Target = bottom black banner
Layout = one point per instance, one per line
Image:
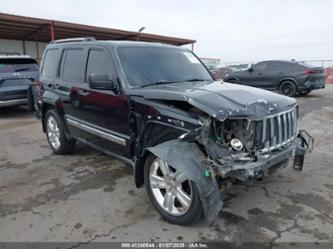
(120, 245)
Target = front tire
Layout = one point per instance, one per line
(55, 133)
(174, 196)
(288, 88)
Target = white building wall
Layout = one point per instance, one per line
(17, 46)
(11, 46)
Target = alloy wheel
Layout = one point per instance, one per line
(170, 187)
(53, 132)
(288, 89)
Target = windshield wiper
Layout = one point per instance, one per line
(193, 80)
(160, 82)
(202, 80)
(22, 69)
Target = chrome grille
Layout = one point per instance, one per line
(276, 131)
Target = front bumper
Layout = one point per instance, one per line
(13, 96)
(268, 163)
(251, 171)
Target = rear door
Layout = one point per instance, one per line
(70, 79)
(268, 77)
(101, 114)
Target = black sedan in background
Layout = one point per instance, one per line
(17, 73)
(287, 77)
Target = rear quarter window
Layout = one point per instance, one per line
(49, 67)
(282, 66)
(305, 65)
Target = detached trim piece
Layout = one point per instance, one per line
(95, 131)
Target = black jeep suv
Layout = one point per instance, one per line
(157, 108)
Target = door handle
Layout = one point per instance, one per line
(83, 92)
(54, 86)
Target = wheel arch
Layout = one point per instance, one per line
(231, 79)
(50, 101)
(189, 158)
(281, 81)
(161, 133)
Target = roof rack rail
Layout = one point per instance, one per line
(9, 53)
(79, 39)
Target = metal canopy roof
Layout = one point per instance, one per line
(44, 30)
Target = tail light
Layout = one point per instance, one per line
(310, 71)
(39, 87)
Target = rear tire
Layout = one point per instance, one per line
(55, 133)
(288, 88)
(185, 206)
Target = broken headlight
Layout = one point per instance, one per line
(236, 133)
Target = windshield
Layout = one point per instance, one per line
(17, 65)
(153, 65)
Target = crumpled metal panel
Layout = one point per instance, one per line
(188, 158)
(221, 100)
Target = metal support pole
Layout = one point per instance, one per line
(23, 47)
(192, 45)
(52, 31)
(37, 49)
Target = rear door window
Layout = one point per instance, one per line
(72, 65)
(99, 62)
(12, 65)
(50, 62)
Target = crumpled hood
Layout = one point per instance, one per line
(222, 100)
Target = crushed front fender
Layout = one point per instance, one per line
(188, 158)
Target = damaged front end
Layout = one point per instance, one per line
(222, 151)
(245, 149)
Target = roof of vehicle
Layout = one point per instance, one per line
(113, 43)
(283, 61)
(15, 57)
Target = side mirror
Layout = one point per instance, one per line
(101, 82)
(250, 69)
